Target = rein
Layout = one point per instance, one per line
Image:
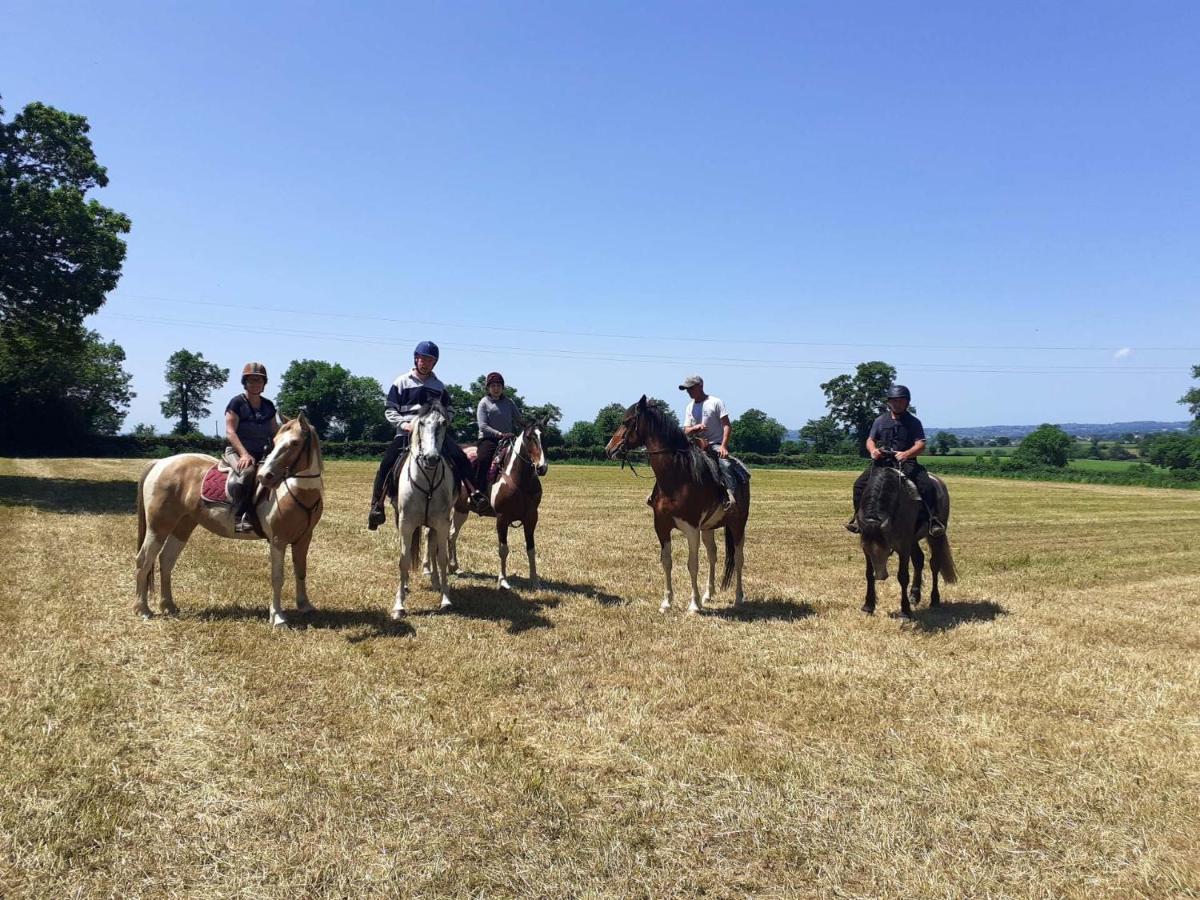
(440, 467)
(289, 473)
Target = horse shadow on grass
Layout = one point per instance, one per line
(70, 496)
(376, 622)
(589, 591)
(763, 610)
(937, 619)
(493, 605)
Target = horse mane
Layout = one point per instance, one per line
(876, 498)
(659, 426)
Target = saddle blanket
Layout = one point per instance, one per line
(215, 488)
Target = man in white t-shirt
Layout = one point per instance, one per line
(707, 418)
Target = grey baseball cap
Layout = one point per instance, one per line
(691, 381)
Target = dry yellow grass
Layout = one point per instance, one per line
(1040, 737)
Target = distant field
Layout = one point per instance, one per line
(1082, 465)
(1037, 737)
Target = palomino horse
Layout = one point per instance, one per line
(689, 497)
(170, 506)
(514, 496)
(424, 497)
(889, 522)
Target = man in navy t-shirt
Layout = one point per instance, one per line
(901, 432)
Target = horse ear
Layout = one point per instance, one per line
(283, 420)
(304, 420)
(642, 403)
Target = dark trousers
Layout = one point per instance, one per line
(485, 452)
(459, 464)
(915, 471)
(725, 469)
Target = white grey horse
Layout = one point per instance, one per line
(424, 499)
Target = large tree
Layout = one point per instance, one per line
(855, 401)
(191, 380)
(825, 435)
(608, 420)
(1047, 445)
(583, 434)
(756, 432)
(341, 406)
(1192, 401)
(60, 254)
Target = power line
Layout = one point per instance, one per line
(636, 337)
(599, 356)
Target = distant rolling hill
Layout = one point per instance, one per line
(1108, 430)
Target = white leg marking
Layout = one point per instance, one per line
(664, 556)
(710, 550)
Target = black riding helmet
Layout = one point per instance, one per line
(898, 390)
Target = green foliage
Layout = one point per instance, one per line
(142, 430)
(60, 254)
(825, 435)
(855, 401)
(341, 406)
(583, 434)
(756, 432)
(1192, 400)
(191, 380)
(465, 402)
(608, 420)
(1003, 441)
(1174, 451)
(943, 443)
(1047, 445)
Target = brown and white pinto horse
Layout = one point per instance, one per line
(514, 496)
(170, 506)
(689, 497)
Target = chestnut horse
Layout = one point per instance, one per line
(170, 506)
(514, 496)
(889, 521)
(689, 497)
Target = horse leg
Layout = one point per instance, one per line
(739, 556)
(530, 523)
(935, 599)
(300, 568)
(502, 549)
(693, 564)
(869, 603)
(710, 550)
(426, 565)
(406, 548)
(902, 576)
(439, 550)
(456, 524)
(166, 561)
(918, 561)
(663, 529)
(275, 616)
(152, 546)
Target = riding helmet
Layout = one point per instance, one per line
(426, 348)
(898, 390)
(494, 378)
(253, 368)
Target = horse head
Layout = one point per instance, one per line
(887, 509)
(428, 434)
(629, 434)
(296, 449)
(531, 446)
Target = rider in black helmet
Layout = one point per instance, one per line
(901, 432)
(408, 394)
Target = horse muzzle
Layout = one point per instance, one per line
(268, 479)
(429, 460)
(542, 469)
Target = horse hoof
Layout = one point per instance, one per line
(278, 620)
(664, 606)
(869, 610)
(146, 616)
(445, 602)
(503, 585)
(693, 609)
(398, 614)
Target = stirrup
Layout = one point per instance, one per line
(243, 525)
(936, 528)
(729, 502)
(852, 525)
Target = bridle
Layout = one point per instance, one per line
(622, 452)
(289, 473)
(435, 477)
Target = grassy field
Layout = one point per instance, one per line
(1040, 736)
(948, 462)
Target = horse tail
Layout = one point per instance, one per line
(941, 559)
(141, 515)
(730, 557)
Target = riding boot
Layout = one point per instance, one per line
(477, 500)
(377, 515)
(936, 527)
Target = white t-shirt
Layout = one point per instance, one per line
(709, 414)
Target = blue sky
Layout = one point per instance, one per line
(766, 194)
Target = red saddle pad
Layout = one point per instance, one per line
(213, 490)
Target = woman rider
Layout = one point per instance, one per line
(250, 426)
(497, 417)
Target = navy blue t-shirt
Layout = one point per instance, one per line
(897, 434)
(256, 427)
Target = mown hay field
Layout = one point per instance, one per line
(1038, 737)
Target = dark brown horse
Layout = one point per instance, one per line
(889, 522)
(689, 497)
(515, 496)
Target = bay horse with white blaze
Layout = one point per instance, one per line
(690, 497)
(889, 521)
(424, 497)
(170, 506)
(515, 496)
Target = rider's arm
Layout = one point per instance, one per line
(484, 428)
(231, 424)
(915, 450)
(872, 449)
(726, 432)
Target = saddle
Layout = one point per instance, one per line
(215, 488)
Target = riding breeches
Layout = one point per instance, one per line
(485, 452)
(916, 472)
(725, 470)
(459, 464)
(240, 485)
